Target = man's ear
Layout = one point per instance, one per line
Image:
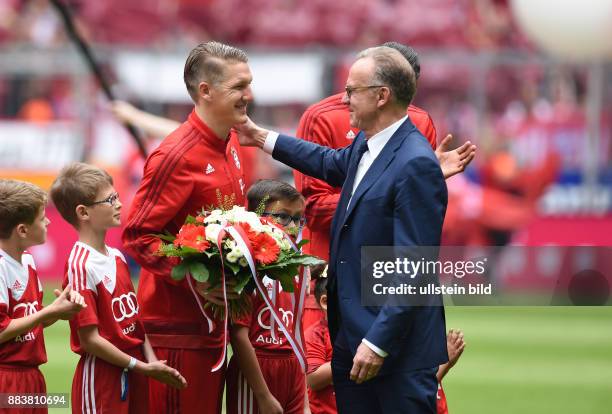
(384, 96)
(323, 302)
(204, 90)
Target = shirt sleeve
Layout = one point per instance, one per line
(321, 198)
(374, 348)
(163, 192)
(246, 319)
(4, 292)
(4, 300)
(89, 315)
(316, 354)
(270, 142)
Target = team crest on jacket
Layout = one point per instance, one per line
(350, 134)
(235, 156)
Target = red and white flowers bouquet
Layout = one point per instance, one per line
(229, 248)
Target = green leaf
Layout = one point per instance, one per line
(213, 253)
(287, 284)
(299, 260)
(190, 220)
(167, 236)
(187, 249)
(243, 280)
(234, 267)
(179, 271)
(199, 271)
(302, 243)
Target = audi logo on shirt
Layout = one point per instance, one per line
(29, 308)
(287, 317)
(124, 306)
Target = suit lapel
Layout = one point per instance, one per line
(347, 187)
(377, 168)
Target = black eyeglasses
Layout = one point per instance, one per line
(111, 199)
(350, 89)
(284, 219)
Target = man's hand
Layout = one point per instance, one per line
(455, 346)
(251, 135)
(67, 304)
(453, 162)
(366, 364)
(216, 295)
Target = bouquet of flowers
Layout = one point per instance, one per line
(233, 246)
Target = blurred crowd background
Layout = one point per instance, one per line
(543, 172)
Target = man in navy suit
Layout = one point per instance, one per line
(393, 194)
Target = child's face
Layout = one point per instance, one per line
(35, 233)
(287, 213)
(105, 212)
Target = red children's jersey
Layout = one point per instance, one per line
(441, 403)
(104, 281)
(20, 295)
(327, 123)
(318, 352)
(258, 321)
(184, 174)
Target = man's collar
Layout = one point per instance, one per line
(208, 134)
(378, 141)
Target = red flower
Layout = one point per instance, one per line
(200, 219)
(192, 236)
(251, 234)
(265, 248)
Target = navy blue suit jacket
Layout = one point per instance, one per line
(401, 201)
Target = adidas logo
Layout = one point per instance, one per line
(210, 169)
(17, 285)
(107, 280)
(350, 134)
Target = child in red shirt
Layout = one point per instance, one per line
(264, 375)
(319, 353)
(23, 224)
(111, 376)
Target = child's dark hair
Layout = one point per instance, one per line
(320, 288)
(269, 191)
(321, 282)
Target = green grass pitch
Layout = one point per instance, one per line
(517, 360)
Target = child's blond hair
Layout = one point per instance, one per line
(20, 202)
(76, 184)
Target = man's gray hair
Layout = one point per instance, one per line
(205, 63)
(392, 70)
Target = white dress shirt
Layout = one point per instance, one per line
(375, 146)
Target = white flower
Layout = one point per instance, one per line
(243, 262)
(215, 216)
(212, 232)
(232, 256)
(237, 252)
